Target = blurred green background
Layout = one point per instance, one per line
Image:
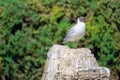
(28, 28)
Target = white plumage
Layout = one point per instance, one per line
(77, 31)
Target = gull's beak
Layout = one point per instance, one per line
(86, 20)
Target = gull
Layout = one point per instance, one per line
(77, 31)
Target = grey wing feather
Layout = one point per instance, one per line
(72, 30)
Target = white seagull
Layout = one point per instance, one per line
(77, 31)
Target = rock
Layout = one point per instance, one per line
(64, 63)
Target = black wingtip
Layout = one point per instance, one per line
(63, 42)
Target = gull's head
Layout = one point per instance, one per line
(81, 19)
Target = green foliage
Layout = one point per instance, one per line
(28, 28)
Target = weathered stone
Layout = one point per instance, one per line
(64, 63)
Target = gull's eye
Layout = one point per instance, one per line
(83, 20)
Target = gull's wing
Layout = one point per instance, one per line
(69, 34)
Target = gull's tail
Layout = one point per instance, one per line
(64, 41)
